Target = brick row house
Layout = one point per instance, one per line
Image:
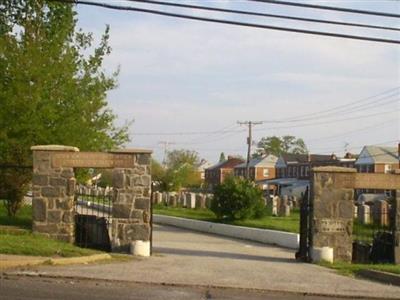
(377, 159)
(216, 174)
(259, 168)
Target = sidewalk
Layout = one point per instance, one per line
(194, 259)
(17, 261)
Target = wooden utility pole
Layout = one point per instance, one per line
(165, 144)
(249, 124)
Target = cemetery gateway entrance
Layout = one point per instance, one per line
(328, 212)
(63, 211)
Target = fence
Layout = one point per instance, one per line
(93, 209)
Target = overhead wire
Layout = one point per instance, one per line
(229, 22)
(259, 14)
(332, 8)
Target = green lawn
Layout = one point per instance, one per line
(23, 219)
(16, 237)
(352, 269)
(288, 224)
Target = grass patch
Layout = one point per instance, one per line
(37, 245)
(23, 219)
(288, 224)
(352, 269)
(16, 237)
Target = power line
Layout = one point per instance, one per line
(228, 22)
(345, 111)
(334, 8)
(332, 121)
(377, 125)
(347, 106)
(251, 13)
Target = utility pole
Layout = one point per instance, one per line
(249, 124)
(165, 144)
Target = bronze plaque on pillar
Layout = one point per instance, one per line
(92, 160)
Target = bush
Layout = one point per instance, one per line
(237, 199)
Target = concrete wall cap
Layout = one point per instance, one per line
(131, 151)
(332, 169)
(54, 148)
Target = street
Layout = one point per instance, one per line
(20, 288)
(192, 259)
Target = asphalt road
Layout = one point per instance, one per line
(21, 288)
(187, 258)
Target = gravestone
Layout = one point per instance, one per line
(364, 212)
(381, 213)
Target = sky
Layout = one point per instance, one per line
(188, 83)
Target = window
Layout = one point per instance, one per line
(306, 171)
(265, 172)
(388, 168)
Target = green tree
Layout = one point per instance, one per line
(280, 145)
(237, 199)
(52, 87)
(181, 170)
(222, 157)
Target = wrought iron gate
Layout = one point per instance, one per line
(93, 207)
(305, 244)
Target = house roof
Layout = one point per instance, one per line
(226, 164)
(266, 161)
(378, 154)
(303, 158)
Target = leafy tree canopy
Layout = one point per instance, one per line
(280, 145)
(52, 85)
(180, 170)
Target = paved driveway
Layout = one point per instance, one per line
(190, 258)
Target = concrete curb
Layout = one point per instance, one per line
(26, 261)
(383, 277)
(266, 236)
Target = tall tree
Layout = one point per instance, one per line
(52, 87)
(279, 145)
(222, 157)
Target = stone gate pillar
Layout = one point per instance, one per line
(131, 206)
(332, 193)
(53, 194)
(396, 227)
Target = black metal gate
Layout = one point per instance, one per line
(305, 244)
(93, 207)
(373, 238)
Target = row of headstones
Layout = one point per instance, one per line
(376, 213)
(282, 206)
(184, 199)
(93, 191)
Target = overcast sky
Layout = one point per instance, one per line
(180, 76)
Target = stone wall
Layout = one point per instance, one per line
(131, 207)
(53, 195)
(332, 217)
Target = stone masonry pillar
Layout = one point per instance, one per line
(332, 196)
(53, 194)
(396, 227)
(131, 206)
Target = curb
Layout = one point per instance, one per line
(32, 261)
(301, 294)
(383, 277)
(266, 236)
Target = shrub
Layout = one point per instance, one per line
(237, 199)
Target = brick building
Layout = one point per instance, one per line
(217, 173)
(259, 168)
